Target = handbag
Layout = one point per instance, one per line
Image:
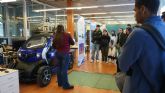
(120, 79)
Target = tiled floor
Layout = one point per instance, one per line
(87, 66)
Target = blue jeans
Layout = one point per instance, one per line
(95, 48)
(62, 76)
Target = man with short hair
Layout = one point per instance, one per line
(163, 16)
(129, 27)
(96, 38)
(141, 55)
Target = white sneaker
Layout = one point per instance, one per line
(97, 61)
(114, 62)
(92, 61)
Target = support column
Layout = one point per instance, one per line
(25, 31)
(45, 14)
(70, 19)
(7, 20)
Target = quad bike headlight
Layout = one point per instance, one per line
(19, 54)
(38, 55)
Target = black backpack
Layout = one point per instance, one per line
(161, 42)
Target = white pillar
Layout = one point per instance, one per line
(25, 31)
(7, 20)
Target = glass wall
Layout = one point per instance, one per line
(1, 22)
(12, 19)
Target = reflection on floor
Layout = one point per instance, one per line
(87, 66)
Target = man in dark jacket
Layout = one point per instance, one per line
(121, 37)
(96, 38)
(141, 55)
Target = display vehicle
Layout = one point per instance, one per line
(35, 60)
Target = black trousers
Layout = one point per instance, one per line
(104, 51)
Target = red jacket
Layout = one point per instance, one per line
(66, 43)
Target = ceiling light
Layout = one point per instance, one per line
(107, 19)
(35, 16)
(4, 1)
(118, 5)
(123, 16)
(83, 7)
(100, 17)
(42, 10)
(93, 14)
(121, 12)
(104, 17)
(60, 15)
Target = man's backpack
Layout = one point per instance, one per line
(156, 35)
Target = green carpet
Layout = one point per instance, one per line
(94, 80)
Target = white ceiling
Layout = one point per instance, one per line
(80, 3)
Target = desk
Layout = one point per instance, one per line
(9, 82)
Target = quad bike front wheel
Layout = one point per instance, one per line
(43, 76)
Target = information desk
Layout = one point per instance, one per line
(9, 81)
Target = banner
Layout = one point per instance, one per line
(81, 40)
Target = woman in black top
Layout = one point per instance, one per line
(105, 39)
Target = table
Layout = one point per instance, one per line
(9, 81)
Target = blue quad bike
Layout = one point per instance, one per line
(36, 59)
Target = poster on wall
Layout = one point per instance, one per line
(81, 40)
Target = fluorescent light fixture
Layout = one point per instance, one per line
(60, 15)
(83, 7)
(123, 19)
(85, 14)
(122, 12)
(119, 5)
(100, 17)
(106, 19)
(42, 10)
(124, 16)
(67, 8)
(5, 1)
(93, 13)
(65, 15)
(35, 16)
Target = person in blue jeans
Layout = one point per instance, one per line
(61, 43)
(141, 55)
(96, 38)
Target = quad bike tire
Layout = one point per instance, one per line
(43, 76)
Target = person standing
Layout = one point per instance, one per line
(61, 43)
(141, 56)
(112, 50)
(163, 16)
(96, 38)
(120, 38)
(105, 39)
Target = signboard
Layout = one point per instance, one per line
(81, 40)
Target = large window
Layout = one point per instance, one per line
(1, 22)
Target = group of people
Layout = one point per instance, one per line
(140, 56)
(108, 43)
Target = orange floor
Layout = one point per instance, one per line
(87, 66)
